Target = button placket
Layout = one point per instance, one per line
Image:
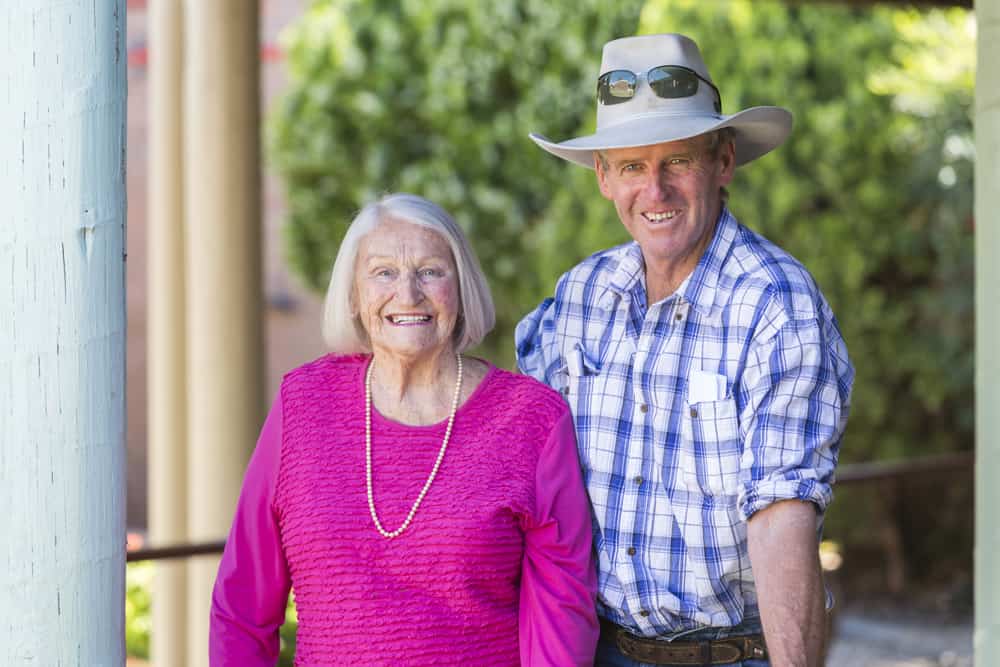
(642, 411)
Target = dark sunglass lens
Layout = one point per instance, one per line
(616, 87)
(673, 82)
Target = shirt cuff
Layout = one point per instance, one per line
(755, 497)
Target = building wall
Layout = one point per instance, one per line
(292, 313)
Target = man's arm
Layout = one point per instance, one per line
(784, 554)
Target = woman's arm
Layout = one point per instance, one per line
(251, 589)
(558, 619)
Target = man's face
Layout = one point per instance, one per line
(668, 197)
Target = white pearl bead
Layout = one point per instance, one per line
(368, 451)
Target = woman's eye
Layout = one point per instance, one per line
(430, 273)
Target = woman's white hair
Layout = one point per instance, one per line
(342, 330)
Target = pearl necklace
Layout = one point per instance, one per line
(368, 451)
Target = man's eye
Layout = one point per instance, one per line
(632, 167)
(679, 161)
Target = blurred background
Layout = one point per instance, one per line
(873, 192)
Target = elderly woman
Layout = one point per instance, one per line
(427, 508)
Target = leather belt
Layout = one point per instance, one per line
(705, 653)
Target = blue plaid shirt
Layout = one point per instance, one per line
(692, 414)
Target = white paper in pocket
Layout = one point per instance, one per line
(705, 387)
(574, 362)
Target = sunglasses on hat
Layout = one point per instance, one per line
(666, 81)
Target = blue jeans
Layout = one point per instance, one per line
(608, 654)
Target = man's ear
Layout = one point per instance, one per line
(727, 163)
(602, 176)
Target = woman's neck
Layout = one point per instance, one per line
(416, 392)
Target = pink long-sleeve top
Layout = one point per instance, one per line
(495, 569)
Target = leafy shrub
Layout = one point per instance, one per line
(138, 578)
(138, 622)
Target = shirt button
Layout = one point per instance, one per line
(643, 408)
(644, 613)
(694, 412)
(631, 551)
(565, 391)
(679, 316)
(638, 480)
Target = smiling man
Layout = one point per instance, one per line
(708, 380)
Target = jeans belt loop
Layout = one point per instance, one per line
(706, 653)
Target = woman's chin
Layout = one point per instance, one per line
(411, 346)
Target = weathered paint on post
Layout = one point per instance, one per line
(166, 356)
(62, 332)
(224, 296)
(987, 123)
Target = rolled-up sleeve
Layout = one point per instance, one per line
(558, 619)
(251, 589)
(797, 386)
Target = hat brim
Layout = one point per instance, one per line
(758, 131)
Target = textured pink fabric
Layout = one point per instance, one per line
(496, 568)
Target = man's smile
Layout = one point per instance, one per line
(660, 216)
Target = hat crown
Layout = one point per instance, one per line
(639, 55)
(646, 119)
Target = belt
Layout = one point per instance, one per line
(705, 653)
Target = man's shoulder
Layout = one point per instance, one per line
(596, 271)
(758, 268)
(602, 262)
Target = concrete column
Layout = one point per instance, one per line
(222, 226)
(987, 123)
(165, 339)
(62, 333)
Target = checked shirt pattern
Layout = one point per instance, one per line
(674, 474)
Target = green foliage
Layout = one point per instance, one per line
(139, 623)
(138, 577)
(287, 632)
(437, 97)
(873, 191)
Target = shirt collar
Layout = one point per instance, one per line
(703, 283)
(630, 269)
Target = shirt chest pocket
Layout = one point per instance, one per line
(709, 457)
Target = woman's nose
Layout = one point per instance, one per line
(409, 290)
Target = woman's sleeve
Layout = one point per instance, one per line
(251, 589)
(558, 619)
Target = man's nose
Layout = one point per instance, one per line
(658, 185)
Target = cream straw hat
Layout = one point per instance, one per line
(645, 118)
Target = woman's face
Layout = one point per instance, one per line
(406, 291)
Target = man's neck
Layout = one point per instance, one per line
(664, 276)
(661, 285)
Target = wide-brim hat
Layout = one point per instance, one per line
(648, 119)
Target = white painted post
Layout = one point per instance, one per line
(987, 552)
(165, 343)
(225, 349)
(62, 333)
